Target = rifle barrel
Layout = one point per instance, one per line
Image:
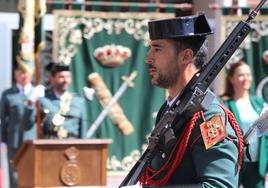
(253, 14)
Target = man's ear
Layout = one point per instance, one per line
(187, 56)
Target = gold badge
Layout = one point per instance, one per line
(213, 131)
(58, 120)
(70, 173)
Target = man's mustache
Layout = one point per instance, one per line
(151, 66)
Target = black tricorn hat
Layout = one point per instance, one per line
(55, 67)
(179, 27)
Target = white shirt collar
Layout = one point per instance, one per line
(24, 90)
(171, 101)
(58, 96)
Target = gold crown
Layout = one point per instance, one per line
(112, 55)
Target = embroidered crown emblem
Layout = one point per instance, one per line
(112, 55)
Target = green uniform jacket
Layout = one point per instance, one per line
(74, 119)
(13, 116)
(257, 104)
(215, 167)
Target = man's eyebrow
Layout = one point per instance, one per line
(157, 45)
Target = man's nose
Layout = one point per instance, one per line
(65, 80)
(148, 60)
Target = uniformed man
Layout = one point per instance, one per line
(62, 112)
(207, 151)
(13, 106)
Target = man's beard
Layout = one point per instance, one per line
(168, 78)
(62, 87)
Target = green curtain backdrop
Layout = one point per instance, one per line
(77, 35)
(252, 50)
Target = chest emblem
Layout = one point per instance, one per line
(213, 131)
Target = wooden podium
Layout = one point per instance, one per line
(56, 163)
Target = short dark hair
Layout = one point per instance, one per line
(199, 46)
(54, 67)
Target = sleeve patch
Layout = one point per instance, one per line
(213, 131)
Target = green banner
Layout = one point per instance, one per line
(112, 45)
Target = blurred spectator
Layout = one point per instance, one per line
(13, 106)
(247, 108)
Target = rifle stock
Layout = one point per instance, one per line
(194, 97)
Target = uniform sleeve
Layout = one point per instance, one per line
(3, 117)
(46, 118)
(29, 117)
(218, 165)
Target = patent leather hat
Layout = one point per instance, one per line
(179, 27)
(54, 67)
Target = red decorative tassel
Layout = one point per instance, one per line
(238, 133)
(147, 178)
(170, 165)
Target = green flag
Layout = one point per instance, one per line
(113, 45)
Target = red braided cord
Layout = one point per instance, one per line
(238, 133)
(182, 147)
(167, 163)
(164, 167)
(151, 173)
(147, 178)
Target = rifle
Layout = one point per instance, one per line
(260, 125)
(194, 97)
